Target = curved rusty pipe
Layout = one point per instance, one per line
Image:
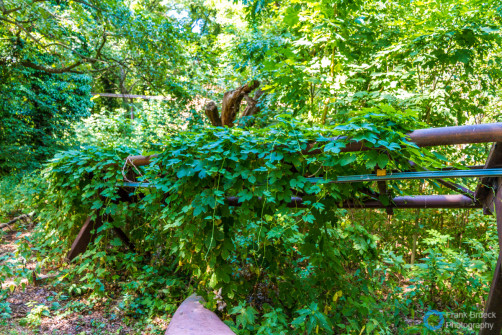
(480, 133)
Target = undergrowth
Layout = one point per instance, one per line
(219, 217)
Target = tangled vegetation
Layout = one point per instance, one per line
(273, 264)
(248, 106)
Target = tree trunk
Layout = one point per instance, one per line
(231, 104)
(212, 114)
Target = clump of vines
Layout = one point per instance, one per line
(219, 213)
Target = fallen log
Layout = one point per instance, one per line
(25, 217)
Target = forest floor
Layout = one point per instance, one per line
(44, 308)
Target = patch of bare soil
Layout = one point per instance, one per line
(41, 309)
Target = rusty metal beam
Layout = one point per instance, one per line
(419, 201)
(132, 96)
(493, 308)
(481, 133)
(140, 160)
(84, 237)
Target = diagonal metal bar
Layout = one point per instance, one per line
(456, 187)
(453, 186)
(415, 175)
(392, 176)
(484, 192)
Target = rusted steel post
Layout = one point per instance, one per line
(493, 308)
(484, 192)
(191, 318)
(84, 237)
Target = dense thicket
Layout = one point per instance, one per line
(246, 85)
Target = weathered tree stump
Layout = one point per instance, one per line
(231, 103)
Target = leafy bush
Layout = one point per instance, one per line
(36, 111)
(261, 253)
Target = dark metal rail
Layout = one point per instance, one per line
(392, 176)
(480, 133)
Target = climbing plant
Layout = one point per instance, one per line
(220, 208)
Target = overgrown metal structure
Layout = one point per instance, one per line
(488, 194)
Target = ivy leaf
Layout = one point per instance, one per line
(213, 281)
(245, 195)
(347, 159)
(382, 160)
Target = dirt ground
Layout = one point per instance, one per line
(44, 309)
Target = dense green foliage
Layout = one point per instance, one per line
(37, 109)
(277, 267)
(354, 70)
(51, 53)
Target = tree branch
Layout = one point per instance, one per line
(212, 114)
(98, 52)
(232, 101)
(15, 9)
(50, 69)
(26, 217)
(23, 29)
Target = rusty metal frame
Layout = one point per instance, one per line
(493, 308)
(88, 234)
(488, 195)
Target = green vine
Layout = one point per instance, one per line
(265, 250)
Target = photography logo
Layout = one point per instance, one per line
(434, 326)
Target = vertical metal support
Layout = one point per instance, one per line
(493, 309)
(84, 237)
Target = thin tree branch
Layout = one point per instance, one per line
(23, 29)
(50, 69)
(15, 9)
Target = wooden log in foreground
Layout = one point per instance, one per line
(480, 133)
(191, 318)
